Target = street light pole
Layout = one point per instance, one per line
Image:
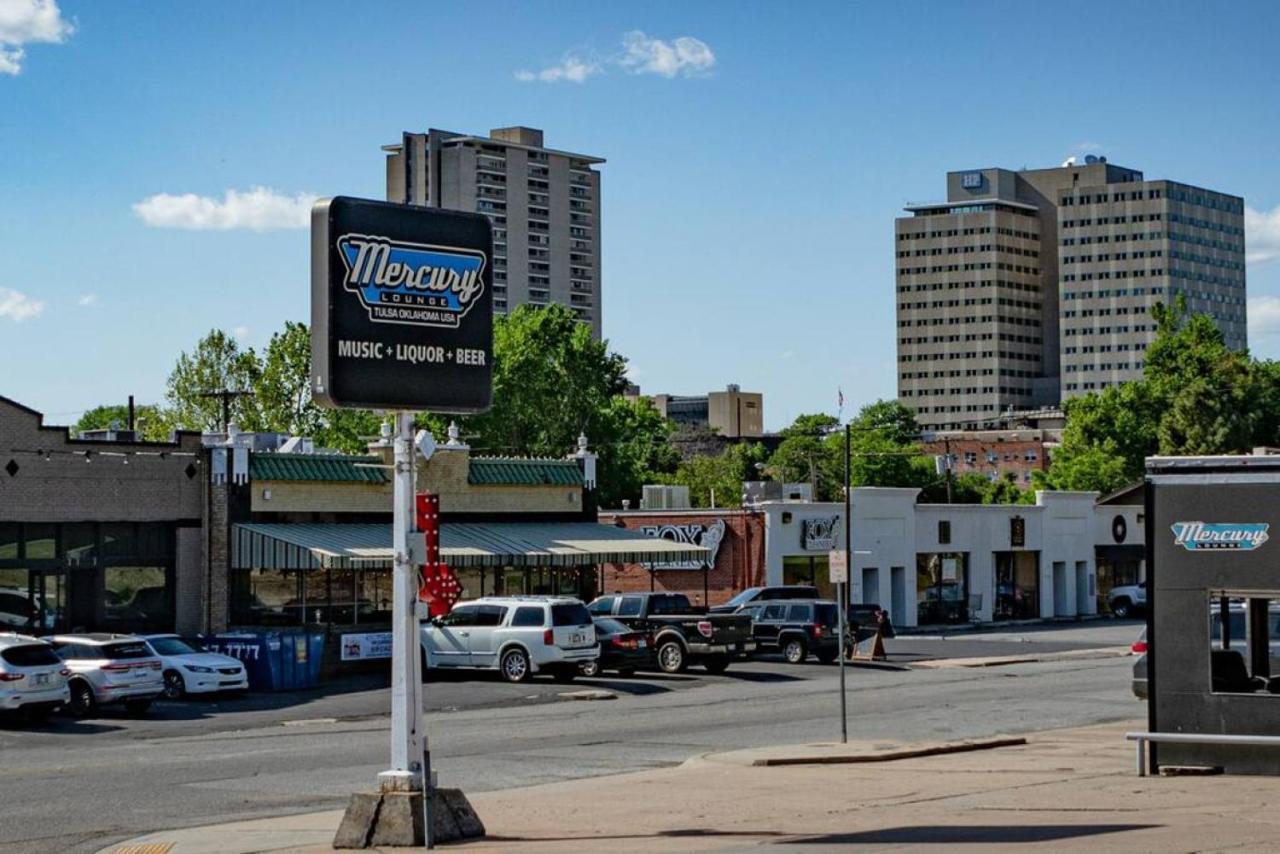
(407, 741)
(843, 587)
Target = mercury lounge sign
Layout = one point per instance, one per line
(401, 307)
(1220, 536)
(708, 536)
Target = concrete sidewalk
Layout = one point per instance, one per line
(1071, 789)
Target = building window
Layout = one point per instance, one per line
(1241, 631)
(942, 588)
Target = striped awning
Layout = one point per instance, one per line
(465, 544)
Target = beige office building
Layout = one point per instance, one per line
(544, 205)
(1026, 288)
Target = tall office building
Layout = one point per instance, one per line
(1026, 288)
(544, 205)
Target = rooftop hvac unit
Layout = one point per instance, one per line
(665, 498)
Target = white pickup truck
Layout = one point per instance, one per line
(1128, 600)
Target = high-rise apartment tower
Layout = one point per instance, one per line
(1026, 288)
(544, 205)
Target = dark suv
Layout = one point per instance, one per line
(796, 628)
(752, 595)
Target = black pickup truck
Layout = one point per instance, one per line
(681, 634)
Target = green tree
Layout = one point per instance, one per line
(282, 388)
(149, 420)
(217, 363)
(721, 476)
(806, 456)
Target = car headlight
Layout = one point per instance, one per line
(196, 668)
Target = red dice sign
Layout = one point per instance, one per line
(437, 585)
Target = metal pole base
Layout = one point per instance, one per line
(377, 819)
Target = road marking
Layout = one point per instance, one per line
(309, 722)
(148, 848)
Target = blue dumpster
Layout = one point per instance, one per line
(251, 649)
(275, 660)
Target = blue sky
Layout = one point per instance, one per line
(754, 169)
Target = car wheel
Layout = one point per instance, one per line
(515, 665)
(175, 688)
(137, 707)
(671, 657)
(794, 651)
(716, 664)
(82, 702)
(589, 668)
(1121, 609)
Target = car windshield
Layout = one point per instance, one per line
(33, 655)
(744, 597)
(132, 649)
(172, 646)
(570, 614)
(611, 627)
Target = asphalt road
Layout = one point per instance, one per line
(78, 786)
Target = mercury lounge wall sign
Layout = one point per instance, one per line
(401, 307)
(820, 534)
(1220, 536)
(708, 536)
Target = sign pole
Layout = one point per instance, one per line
(408, 741)
(844, 595)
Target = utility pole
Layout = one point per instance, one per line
(226, 396)
(843, 587)
(946, 462)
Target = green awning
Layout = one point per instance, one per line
(368, 546)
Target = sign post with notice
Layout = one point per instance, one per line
(401, 321)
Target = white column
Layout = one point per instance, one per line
(407, 734)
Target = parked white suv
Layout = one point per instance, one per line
(109, 669)
(33, 680)
(191, 669)
(516, 635)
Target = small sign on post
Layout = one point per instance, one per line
(838, 566)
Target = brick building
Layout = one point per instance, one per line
(735, 538)
(995, 453)
(97, 534)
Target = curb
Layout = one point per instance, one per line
(1001, 660)
(890, 755)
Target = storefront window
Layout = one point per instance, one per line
(942, 588)
(811, 570)
(513, 582)
(266, 597)
(137, 598)
(32, 600)
(471, 581)
(8, 540)
(41, 541)
(1017, 585)
(79, 544)
(374, 594)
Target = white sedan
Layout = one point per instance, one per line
(188, 669)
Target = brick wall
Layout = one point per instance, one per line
(974, 455)
(739, 562)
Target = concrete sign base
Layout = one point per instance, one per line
(377, 819)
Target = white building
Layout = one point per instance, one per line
(960, 563)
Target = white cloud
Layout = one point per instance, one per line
(87, 300)
(1261, 235)
(25, 22)
(571, 69)
(18, 306)
(260, 208)
(1264, 317)
(1086, 146)
(684, 55)
(241, 332)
